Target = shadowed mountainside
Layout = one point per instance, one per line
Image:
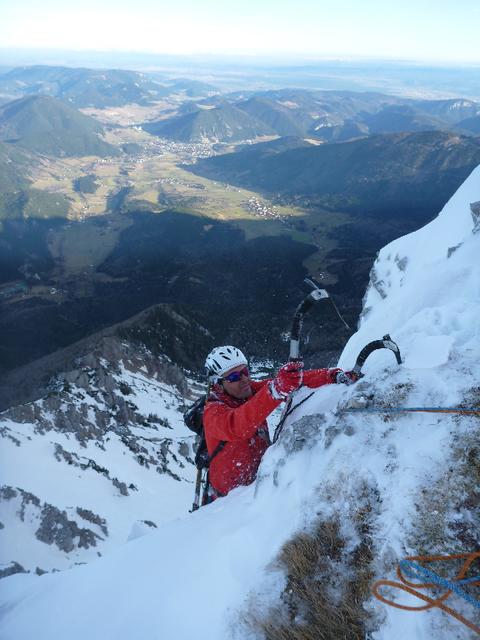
(406, 170)
(238, 289)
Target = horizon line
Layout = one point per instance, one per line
(274, 56)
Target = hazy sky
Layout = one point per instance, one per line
(430, 30)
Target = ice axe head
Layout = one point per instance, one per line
(307, 303)
(385, 343)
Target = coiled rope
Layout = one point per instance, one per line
(412, 568)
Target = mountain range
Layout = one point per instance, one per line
(83, 87)
(323, 115)
(97, 88)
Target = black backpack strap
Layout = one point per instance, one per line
(217, 450)
(193, 416)
(209, 489)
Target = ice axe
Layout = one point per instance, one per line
(320, 294)
(316, 294)
(385, 343)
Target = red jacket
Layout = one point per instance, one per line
(242, 425)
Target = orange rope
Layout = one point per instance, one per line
(409, 587)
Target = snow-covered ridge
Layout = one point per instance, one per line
(425, 287)
(105, 453)
(388, 485)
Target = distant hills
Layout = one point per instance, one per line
(452, 111)
(400, 118)
(219, 124)
(366, 175)
(83, 87)
(96, 87)
(329, 116)
(192, 88)
(49, 126)
(279, 118)
(286, 112)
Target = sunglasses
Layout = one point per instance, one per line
(235, 376)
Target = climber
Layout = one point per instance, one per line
(236, 409)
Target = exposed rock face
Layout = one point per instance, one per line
(98, 390)
(86, 463)
(12, 568)
(140, 341)
(93, 518)
(54, 527)
(475, 209)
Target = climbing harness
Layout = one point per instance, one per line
(413, 568)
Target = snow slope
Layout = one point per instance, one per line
(408, 474)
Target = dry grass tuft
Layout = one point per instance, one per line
(456, 490)
(326, 586)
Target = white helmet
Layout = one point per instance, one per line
(222, 359)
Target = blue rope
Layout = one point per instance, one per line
(468, 580)
(414, 570)
(406, 409)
